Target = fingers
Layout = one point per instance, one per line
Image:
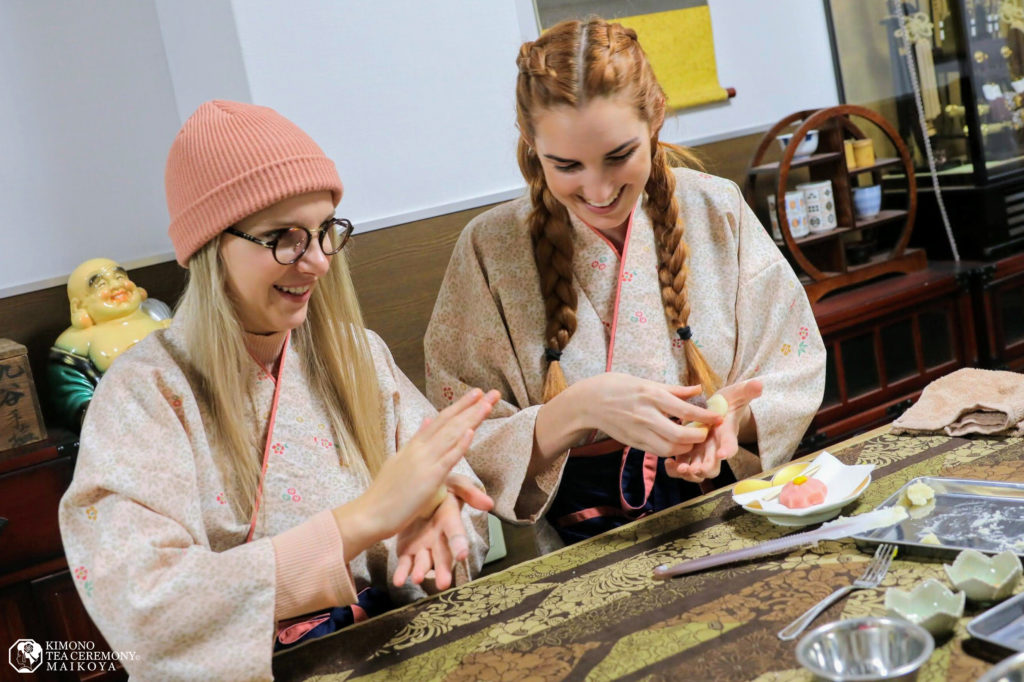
(688, 413)
(402, 570)
(442, 565)
(709, 465)
(754, 388)
(453, 532)
(682, 467)
(451, 428)
(668, 439)
(450, 458)
(420, 566)
(466, 490)
(742, 393)
(698, 466)
(684, 392)
(727, 444)
(445, 416)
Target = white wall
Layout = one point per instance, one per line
(413, 100)
(87, 114)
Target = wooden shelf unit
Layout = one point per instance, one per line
(822, 257)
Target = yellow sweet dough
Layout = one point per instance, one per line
(749, 485)
(930, 539)
(920, 494)
(788, 473)
(717, 404)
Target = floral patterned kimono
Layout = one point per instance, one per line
(749, 316)
(161, 562)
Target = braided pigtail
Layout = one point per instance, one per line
(663, 207)
(551, 233)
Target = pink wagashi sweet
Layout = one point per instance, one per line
(803, 492)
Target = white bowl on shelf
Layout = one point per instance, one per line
(807, 146)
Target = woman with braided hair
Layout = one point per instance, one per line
(607, 301)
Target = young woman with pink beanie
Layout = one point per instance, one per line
(261, 471)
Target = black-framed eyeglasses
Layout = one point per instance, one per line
(289, 245)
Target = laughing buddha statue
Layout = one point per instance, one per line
(109, 315)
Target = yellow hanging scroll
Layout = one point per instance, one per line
(675, 34)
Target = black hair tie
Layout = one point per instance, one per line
(552, 355)
(684, 333)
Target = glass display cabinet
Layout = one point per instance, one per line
(968, 67)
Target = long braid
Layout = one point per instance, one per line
(549, 75)
(551, 232)
(673, 271)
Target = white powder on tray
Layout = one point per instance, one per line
(978, 524)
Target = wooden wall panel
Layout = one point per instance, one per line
(397, 273)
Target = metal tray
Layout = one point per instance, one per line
(1002, 624)
(967, 514)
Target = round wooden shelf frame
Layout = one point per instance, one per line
(829, 163)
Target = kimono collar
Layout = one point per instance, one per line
(581, 224)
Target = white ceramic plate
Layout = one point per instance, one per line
(845, 484)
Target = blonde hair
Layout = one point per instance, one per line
(335, 354)
(570, 64)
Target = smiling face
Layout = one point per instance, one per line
(270, 297)
(596, 159)
(102, 289)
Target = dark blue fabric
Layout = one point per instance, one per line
(594, 482)
(371, 600)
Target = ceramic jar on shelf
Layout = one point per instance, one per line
(820, 205)
(796, 214)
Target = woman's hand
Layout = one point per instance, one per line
(642, 414)
(441, 540)
(705, 460)
(409, 480)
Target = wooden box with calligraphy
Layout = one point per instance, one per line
(21, 420)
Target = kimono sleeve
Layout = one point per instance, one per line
(777, 341)
(408, 409)
(466, 346)
(135, 542)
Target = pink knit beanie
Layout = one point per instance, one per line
(231, 160)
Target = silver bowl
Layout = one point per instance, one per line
(865, 649)
(1010, 670)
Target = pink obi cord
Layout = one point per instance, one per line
(294, 629)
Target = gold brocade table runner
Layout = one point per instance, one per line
(592, 611)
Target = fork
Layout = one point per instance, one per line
(873, 574)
